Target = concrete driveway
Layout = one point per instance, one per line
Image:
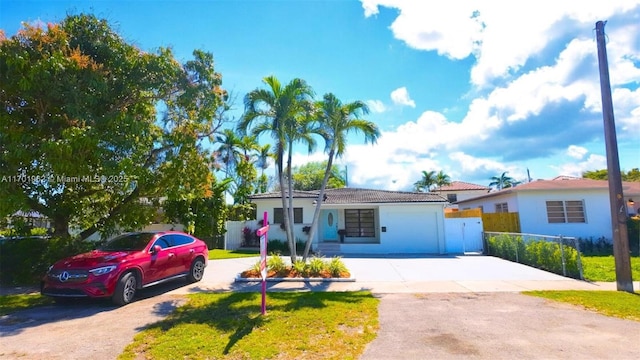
(409, 274)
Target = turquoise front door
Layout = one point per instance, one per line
(329, 225)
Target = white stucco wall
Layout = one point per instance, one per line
(489, 204)
(531, 206)
(410, 228)
(275, 233)
(533, 214)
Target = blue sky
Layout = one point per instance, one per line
(473, 88)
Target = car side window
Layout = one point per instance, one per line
(181, 240)
(163, 241)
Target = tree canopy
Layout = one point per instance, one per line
(425, 183)
(603, 174)
(309, 176)
(283, 113)
(91, 125)
(503, 181)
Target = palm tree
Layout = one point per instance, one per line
(426, 182)
(262, 162)
(229, 151)
(503, 181)
(442, 179)
(279, 111)
(335, 121)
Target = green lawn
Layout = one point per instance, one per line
(12, 303)
(612, 303)
(309, 325)
(219, 254)
(602, 268)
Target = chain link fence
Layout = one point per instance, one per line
(557, 254)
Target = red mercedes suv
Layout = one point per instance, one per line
(125, 264)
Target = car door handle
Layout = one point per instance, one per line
(191, 251)
(172, 254)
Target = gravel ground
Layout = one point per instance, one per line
(84, 329)
(496, 326)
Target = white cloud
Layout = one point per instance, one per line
(577, 152)
(400, 96)
(376, 106)
(535, 110)
(501, 35)
(593, 162)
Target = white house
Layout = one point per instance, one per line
(562, 206)
(460, 190)
(363, 221)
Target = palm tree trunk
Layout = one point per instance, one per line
(290, 232)
(316, 213)
(285, 213)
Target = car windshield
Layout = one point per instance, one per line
(128, 242)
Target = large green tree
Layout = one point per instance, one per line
(335, 121)
(282, 112)
(310, 175)
(603, 174)
(82, 139)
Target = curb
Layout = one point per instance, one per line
(302, 280)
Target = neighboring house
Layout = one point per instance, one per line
(370, 221)
(563, 206)
(460, 190)
(32, 218)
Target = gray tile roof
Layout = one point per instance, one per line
(362, 196)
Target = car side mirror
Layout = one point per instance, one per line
(156, 249)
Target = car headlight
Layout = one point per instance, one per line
(102, 270)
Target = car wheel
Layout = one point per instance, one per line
(197, 270)
(125, 290)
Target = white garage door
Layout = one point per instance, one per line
(411, 231)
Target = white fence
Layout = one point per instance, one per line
(234, 236)
(463, 235)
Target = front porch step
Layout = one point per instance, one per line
(328, 248)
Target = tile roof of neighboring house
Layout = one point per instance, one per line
(563, 183)
(461, 186)
(296, 194)
(362, 196)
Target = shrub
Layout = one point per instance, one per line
(281, 247)
(24, 261)
(546, 255)
(276, 263)
(316, 266)
(301, 269)
(337, 267)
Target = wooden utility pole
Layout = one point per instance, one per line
(616, 198)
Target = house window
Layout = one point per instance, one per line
(571, 211)
(278, 218)
(502, 208)
(359, 223)
(452, 197)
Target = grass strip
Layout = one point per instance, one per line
(309, 325)
(618, 304)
